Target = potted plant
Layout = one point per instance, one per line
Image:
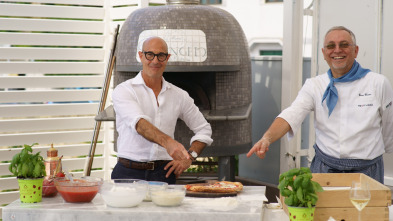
(300, 192)
(29, 169)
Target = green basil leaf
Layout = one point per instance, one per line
(286, 192)
(299, 194)
(317, 186)
(289, 200)
(298, 181)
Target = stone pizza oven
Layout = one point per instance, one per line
(209, 59)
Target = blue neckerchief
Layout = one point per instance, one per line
(331, 94)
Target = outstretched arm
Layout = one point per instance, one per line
(278, 129)
(175, 149)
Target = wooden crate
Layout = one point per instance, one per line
(334, 201)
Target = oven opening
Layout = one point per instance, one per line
(200, 86)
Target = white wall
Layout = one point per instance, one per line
(261, 22)
(257, 18)
(363, 20)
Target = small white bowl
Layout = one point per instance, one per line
(172, 196)
(153, 186)
(123, 192)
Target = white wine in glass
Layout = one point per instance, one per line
(359, 203)
(359, 195)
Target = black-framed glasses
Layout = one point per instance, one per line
(342, 45)
(150, 56)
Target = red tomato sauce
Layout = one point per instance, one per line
(79, 196)
(49, 191)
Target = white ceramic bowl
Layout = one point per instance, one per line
(154, 185)
(171, 196)
(123, 192)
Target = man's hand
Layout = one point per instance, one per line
(278, 128)
(176, 150)
(260, 148)
(177, 167)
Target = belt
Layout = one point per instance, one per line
(142, 165)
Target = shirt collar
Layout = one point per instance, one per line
(139, 80)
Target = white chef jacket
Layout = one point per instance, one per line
(133, 100)
(361, 124)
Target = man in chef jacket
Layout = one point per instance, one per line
(353, 113)
(147, 109)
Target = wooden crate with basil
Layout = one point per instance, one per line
(334, 200)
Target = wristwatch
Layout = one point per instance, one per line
(193, 154)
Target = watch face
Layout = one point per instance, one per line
(193, 154)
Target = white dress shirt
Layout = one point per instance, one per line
(133, 100)
(361, 124)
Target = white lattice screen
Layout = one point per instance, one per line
(53, 57)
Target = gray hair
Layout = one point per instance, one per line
(343, 29)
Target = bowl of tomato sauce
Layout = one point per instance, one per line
(49, 188)
(78, 190)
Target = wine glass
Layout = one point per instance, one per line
(359, 195)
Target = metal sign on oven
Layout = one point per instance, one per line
(184, 45)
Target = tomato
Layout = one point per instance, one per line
(60, 174)
(48, 189)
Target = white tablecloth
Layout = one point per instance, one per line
(248, 205)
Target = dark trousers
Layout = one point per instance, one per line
(158, 174)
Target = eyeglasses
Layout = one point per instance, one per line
(342, 45)
(150, 56)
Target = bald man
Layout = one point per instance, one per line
(147, 108)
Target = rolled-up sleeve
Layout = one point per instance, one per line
(127, 108)
(195, 121)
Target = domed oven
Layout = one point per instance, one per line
(209, 59)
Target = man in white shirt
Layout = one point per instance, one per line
(352, 112)
(147, 108)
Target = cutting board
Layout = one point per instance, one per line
(207, 194)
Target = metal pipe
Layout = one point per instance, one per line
(104, 94)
